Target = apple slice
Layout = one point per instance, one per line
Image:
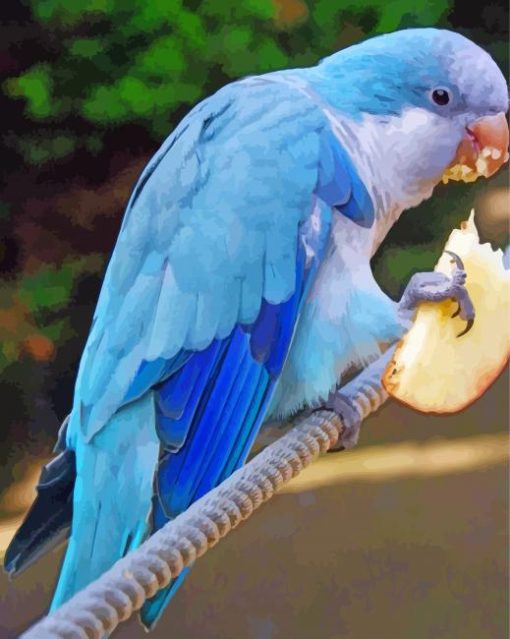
(433, 370)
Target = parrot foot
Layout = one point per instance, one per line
(438, 287)
(343, 406)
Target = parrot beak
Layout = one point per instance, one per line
(484, 148)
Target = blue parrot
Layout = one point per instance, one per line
(240, 286)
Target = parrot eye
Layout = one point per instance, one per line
(440, 97)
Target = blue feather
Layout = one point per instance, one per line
(333, 183)
(148, 371)
(253, 419)
(179, 398)
(174, 394)
(176, 473)
(338, 184)
(158, 516)
(229, 427)
(359, 207)
(287, 318)
(220, 435)
(112, 496)
(264, 331)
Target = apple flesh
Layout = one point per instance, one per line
(433, 370)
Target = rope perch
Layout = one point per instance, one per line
(118, 593)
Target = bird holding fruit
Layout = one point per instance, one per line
(240, 287)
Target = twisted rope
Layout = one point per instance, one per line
(117, 594)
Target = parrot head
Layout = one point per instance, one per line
(430, 101)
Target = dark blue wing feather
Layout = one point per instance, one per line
(264, 331)
(253, 356)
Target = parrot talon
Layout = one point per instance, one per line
(469, 326)
(457, 311)
(456, 260)
(342, 406)
(438, 287)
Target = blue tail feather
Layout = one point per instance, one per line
(115, 469)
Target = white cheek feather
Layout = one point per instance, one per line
(412, 120)
(391, 155)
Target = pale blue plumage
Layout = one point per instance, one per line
(114, 480)
(239, 229)
(215, 341)
(240, 286)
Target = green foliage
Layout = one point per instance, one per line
(111, 63)
(35, 86)
(400, 262)
(139, 61)
(29, 308)
(50, 287)
(39, 150)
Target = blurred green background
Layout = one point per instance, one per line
(89, 89)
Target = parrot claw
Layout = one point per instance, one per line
(469, 326)
(456, 312)
(438, 287)
(342, 406)
(458, 261)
